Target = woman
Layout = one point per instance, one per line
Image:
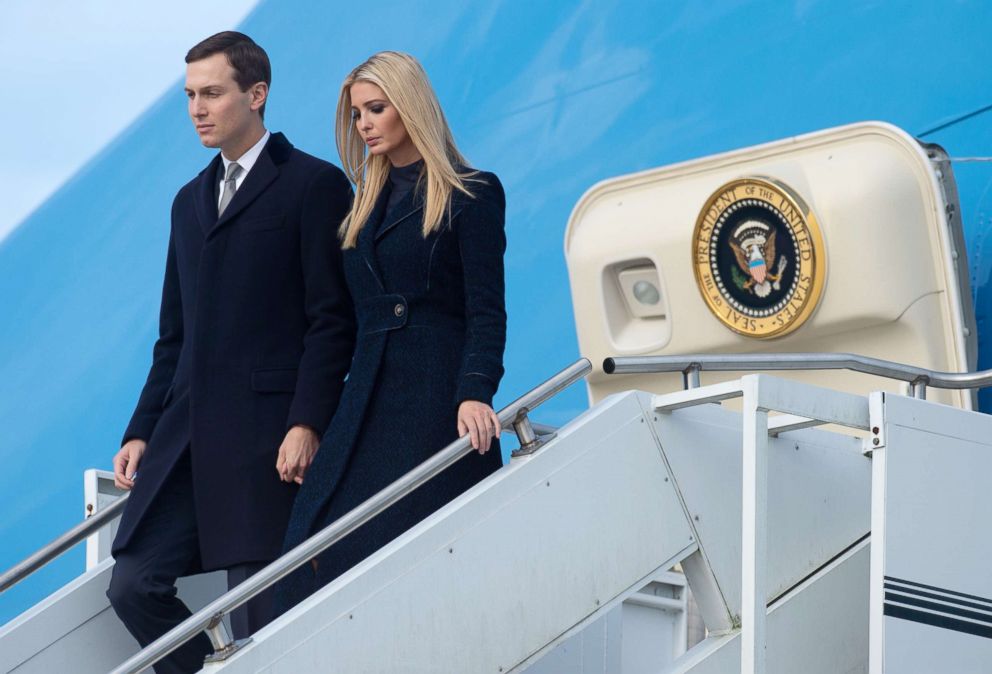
(423, 257)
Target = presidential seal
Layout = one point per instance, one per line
(758, 256)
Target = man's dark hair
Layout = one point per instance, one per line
(250, 62)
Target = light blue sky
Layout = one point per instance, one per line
(78, 73)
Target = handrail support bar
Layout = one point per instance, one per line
(691, 375)
(530, 439)
(224, 645)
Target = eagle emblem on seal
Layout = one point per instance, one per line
(753, 243)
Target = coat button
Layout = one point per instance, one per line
(399, 309)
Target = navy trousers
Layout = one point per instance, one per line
(143, 585)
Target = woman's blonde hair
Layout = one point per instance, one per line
(404, 82)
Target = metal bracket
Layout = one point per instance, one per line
(231, 649)
(690, 376)
(530, 441)
(224, 645)
(876, 419)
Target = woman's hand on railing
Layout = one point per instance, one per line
(126, 463)
(480, 422)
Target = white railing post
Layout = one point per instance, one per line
(754, 535)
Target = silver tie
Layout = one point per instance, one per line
(230, 186)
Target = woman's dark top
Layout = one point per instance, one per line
(402, 180)
(431, 333)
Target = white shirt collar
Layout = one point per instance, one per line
(248, 159)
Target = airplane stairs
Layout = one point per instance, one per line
(768, 518)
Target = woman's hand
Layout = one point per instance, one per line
(296, 454)
(479, 421)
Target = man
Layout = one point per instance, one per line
(256, 335)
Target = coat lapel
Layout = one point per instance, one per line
(262, 174)
(408, 206)
(366, 237)
(206, 195)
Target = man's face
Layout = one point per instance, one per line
(224, 116)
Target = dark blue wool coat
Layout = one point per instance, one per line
(256, 335)
(431, 333)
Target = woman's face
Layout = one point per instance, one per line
(379, 125)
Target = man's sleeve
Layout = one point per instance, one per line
(165, 354)
(330, 338)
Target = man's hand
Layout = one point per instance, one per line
(126, 463)
(479, 421)
(296, 454)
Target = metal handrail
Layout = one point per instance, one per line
(209, 618)
(690, 365)
(89, 526)
(77, 534)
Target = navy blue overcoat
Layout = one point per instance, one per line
(431, 334)
(256, 335)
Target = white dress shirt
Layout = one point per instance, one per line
(245, 161)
